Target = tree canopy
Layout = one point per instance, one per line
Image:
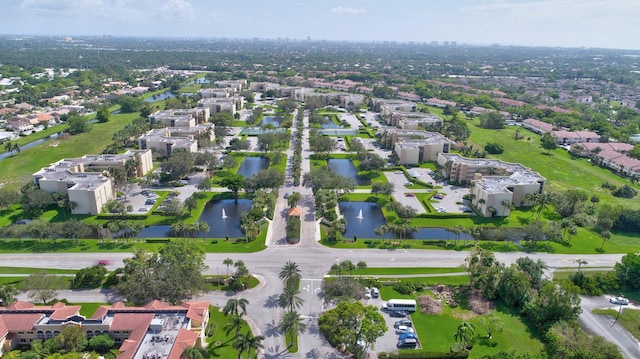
(172, 274)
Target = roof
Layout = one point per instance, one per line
(197, 310)
(185, 339)
(137, 323)
(19, 322)
(295, 212)
(539, 124)
(64, 312)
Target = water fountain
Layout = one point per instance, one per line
(224, 214)
(360, 215)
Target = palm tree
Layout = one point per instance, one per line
(505, 204)
(204, 228)
(606, 235)
(464, 334)
(380, 231)
(293, 199)
(178, 228)
(492, 211)
(292, 324)
(290, 273)
(542, 200)
(250, 230)
(234, 306)
(227, 262)
(580, 263)
(289, 298)
(247, 343)
(573, 230)
(194, 353)
(234, 324)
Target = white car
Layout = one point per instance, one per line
(402, 329)
(619, 301)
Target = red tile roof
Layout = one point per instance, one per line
(185, 339)
(137, 323)
(20, 322)
(64, 312)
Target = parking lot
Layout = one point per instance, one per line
(450, 201)
(389, 341)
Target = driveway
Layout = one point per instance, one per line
(400, 191)
(604, 326)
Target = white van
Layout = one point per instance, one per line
(375, 293)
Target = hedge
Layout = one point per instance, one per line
(122, 216)
(444, 215)
(157, 240)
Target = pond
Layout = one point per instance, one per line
(345, 168)
(223, 218)
(161, 96)
(252, 165)
(270, 120)
(362, 219)
(329, 123)
(31, 144)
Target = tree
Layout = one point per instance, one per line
(227, 262)
(129, 104)
(247, 343)
(8, 197)
(484, 271)
(234, 324)
(492, 120)
(385, 188)
(628, 270)
(103, 115)
(491, 323)
(548, 142)
(101, 343)
(236, 306)
(8, 294)
(554, 303)
(78, 124)
(289, 298)
(178, 165)
(350, 322)
(172, 274)
(204, 185)
(70, 339)
(194, 353)
(292, 325)
(494, 148)
(293, 199)
(322, 144)
(581, 262)
(464, 334)
(43, 286)
(90, 277)
(234, 182)
(606, 235)
(290, 273)
(324, 178)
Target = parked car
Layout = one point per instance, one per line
(408, 343)
(409, 195)
(619, 300)
(150, 202)
(405, 322)
(407, 336)
(375, 293)
(404, 329)
(398, 314)
(408, 183)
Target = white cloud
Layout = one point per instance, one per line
(346, 10)
(178, 10)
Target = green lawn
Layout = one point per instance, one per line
(516, 335)
(17, 270)
(221, 343)
(403, 271)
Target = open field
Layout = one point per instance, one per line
(402, 271)
(17, 170)
(561, 170)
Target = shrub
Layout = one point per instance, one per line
(330, 215)
(408, 287)
(625, 191)
(90, 277)
(101, 343)
(494, 148)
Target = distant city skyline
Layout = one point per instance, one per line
(555, 23)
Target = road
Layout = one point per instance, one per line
(604, 326)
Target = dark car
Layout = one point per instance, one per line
(405, 322)
(398, 313)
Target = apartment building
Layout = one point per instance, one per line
(156, 330)
(218, 105)
(537, 126)
(90, 191)
(495, 185)
(570, 137)
(414, 120)
(164, 141)
(424, 150)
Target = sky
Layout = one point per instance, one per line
(564, 23)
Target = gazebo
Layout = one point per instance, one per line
(295, 212)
